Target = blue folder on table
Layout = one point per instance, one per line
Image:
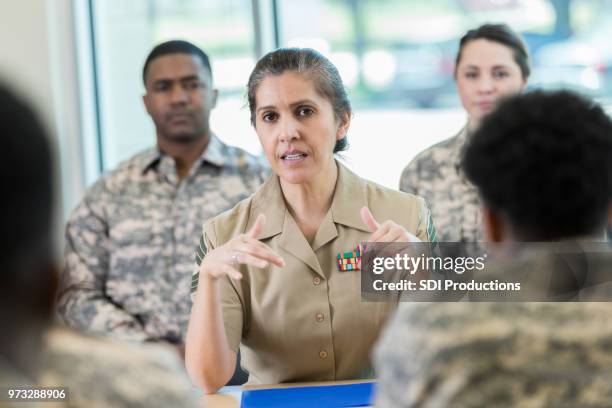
(337, 395)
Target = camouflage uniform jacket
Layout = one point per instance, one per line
(129, 243)
(497, 354)
(13, 377)
(435, 175)
(107, 373)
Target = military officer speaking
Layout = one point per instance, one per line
(268, 281)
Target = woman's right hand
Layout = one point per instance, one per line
(208, 357)
(243, 249)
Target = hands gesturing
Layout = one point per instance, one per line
(244, 249)
(388, 231)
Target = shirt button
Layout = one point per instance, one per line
(323, 354)
(316, 280)
(319, 317)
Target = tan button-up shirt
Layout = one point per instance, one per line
(306, 321)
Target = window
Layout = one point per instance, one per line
(125, 32)
(395, 56)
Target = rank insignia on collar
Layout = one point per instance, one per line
(350, 261)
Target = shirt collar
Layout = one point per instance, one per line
(149, 159)
(214, 153)
(349, 197)
(268, 200)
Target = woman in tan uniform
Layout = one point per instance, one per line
(492, 62)
(269, 281)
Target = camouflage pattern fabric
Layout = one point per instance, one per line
(498, 354)
(106, 373)
(15, 377)
(129, 243)
(435, 175)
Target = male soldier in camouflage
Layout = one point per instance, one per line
(542, 165)
(98, 373)
(129, 249)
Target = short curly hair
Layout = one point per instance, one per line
(543, 160)
(175, 47)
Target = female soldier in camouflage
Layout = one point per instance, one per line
(492, 62)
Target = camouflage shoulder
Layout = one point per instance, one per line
(112, 181)
(250, 166)
(411, 174)
(429, 343)
(138, 160)
(103, 371)
(93, 201)
(106, 188)
(243, 158)
(440, 148)
(130, 169)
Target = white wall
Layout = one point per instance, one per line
(37, 59)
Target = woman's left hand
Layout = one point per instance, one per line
(387, 231)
